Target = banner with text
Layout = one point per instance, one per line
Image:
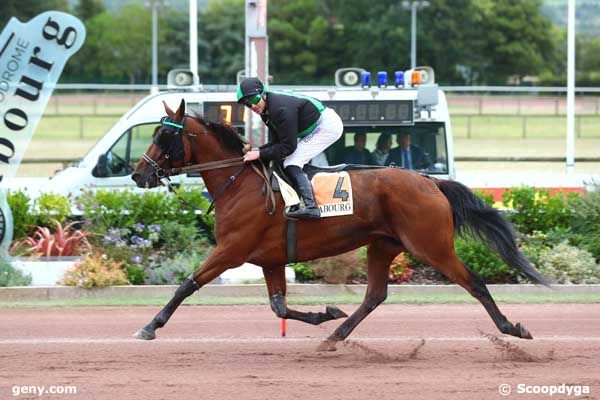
(32, 57)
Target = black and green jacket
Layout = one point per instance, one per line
(289, 116)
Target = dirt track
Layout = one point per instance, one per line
(208, 352)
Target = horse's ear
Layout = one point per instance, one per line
(168, 109)
(180, 111)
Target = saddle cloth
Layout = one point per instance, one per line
(333, 193)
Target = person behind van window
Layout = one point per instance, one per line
(407, 155)
(301, 127)
(382, 149)
(358, 154)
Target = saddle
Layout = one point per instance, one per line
(312, 170)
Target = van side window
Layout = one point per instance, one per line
(122, 157)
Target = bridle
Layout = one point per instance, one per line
(165, 174)
(191, 168)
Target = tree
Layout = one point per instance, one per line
(517, 40)
(87, 9)
(449, 39)
(24, 10)
(221, 41)
(118, 47)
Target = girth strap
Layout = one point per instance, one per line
(291, 239)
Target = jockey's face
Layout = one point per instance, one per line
(260, 107)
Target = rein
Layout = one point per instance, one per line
(161, 173)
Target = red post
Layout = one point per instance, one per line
(283, 326)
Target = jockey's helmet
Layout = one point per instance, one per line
(249, 87)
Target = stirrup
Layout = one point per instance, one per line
(305, 212)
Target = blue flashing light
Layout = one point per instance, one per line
(399, 78)
(365, 78)
(382, 78)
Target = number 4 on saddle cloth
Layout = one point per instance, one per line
(332, 187)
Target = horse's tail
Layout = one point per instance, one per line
(472, 215)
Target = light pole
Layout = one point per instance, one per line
(413, 6)
(155, 4)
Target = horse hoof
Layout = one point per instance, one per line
(327, 345)
(335, 312)
(523, 332)
(143, 334)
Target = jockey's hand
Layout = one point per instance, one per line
(252, 155)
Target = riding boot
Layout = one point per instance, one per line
(304, 187)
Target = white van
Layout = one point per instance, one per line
(419, 109)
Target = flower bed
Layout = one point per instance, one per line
(155, 240)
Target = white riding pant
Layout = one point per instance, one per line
(329, 129)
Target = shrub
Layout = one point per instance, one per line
(132, 247)
(63, 242)
(176, 238)
(568, 264)
(173, 271)
(591, 243)
(487, 198)
(536, 210)
(400, 270)
(9, 276)
(586, 221)
(23, 219)
(51, 206)
(482, 260)
(344, 268)
(96, 271)
(123, 209)
(304, 273)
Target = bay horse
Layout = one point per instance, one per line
(395, 210)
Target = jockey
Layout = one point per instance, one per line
(300, 128)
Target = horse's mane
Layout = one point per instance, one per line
(227, 136)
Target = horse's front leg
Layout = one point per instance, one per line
(213, 266)
(276, 285)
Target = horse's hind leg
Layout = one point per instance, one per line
(458, 273)
(276, 285)
(379, 256)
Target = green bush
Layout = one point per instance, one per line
(479, 258)
(535, 210)
(173, 271)
(106, 209)
(176, 238)
(24, 222)
(9, 276)
(568, 264)
(304, 273)
(51, 206)
(487, 198)
(591, 243)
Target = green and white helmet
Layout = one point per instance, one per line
(249, 87)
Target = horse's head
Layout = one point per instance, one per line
(167, 150)
(178, 141)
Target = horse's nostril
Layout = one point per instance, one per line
(135, 177)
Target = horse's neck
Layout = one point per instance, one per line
(215, 180)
